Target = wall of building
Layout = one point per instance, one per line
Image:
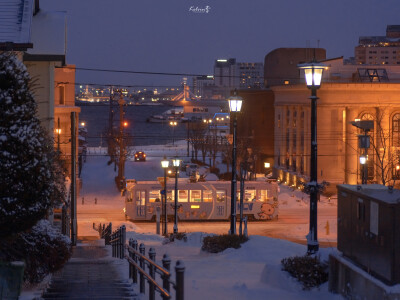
(64, 104)
(42, 74)
(338, 105)
(256, 122)
(280, 65)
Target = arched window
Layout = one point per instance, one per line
(396, 145)
(370, 151)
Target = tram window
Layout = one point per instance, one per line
(264, 195)
(182, 196)
(221, 196)
(141, 197)
(130, 197)
(195, 196)
(207, 196)
(170, 196)
(250, 195)
(154, 196)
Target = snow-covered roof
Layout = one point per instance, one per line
(15, 21)
(375, 191)
(48, 33)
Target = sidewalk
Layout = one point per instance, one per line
(89, 274)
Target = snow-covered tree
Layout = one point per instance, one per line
(30, 180)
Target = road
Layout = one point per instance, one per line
(292, 224)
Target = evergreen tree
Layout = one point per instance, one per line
(30, 179)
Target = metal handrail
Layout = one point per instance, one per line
(149, 261)
(149, 278)
(137, 272)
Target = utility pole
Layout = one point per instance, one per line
(121, 164)
(111, 146)
(74, 228)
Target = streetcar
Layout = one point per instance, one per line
(209, 200)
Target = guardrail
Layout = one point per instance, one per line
(138, 262)
(104, 232)
(117, 241)
(137, 267)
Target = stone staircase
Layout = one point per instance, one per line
(90, 274)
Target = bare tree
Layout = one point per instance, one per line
(197, 131)
(386, 158)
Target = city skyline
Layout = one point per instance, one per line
(187, 36)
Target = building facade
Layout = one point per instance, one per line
(338, 151)
(379, 50)
(280, 65)
(255, 127)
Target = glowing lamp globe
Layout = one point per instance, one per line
(313, 74)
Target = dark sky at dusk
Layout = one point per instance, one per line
(166, 36)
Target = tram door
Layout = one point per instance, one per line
(221, 204)
(141, 204)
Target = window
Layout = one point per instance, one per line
(140, 197)
(221, 196)
(396, 145)
(195, 196)
(370, 151)
(294, 118)
(182, 196)
(264, 195)
(154, 196)
(250, 195)
(287, 117)
(61, 90)
(170, 196)
(207, 196)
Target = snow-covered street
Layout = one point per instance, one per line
(251, 272)
(98, 183)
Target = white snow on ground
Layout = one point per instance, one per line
(251, 272)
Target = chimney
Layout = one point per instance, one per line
(36, 8)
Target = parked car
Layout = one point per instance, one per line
(171, 172)
(140, 156)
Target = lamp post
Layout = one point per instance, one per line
(267, 165)
(235, 104)
(313, 74)
(164, 165)
(364, 176)
(58, 131)
(173, 124)
(176, 163)
(364, 143)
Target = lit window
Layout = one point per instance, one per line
(182, 196)
(154, 196)
(207, 196)
(195, 196)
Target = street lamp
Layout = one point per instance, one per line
(176, 162)
(58, 131)
(235, 104)
(173, 124)
(364, 143)
(267, 165)
(164, 165)
(313, 74)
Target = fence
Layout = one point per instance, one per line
(138, 262)
(104, 232)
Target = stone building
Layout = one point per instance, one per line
(343, 98)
